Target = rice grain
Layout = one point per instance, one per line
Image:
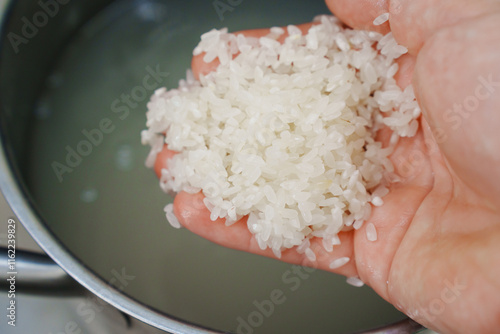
(285, 133)
(339, 262)
(355, 281)
(171, 218)
(371, 232)
(381, 19)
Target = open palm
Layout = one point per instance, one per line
(437, 255)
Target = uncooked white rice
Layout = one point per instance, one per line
(377, 201)
(381, 19)
(339, 262)
(354, 281)
(311, 256)
(284, 133)
(371, 232)
(357, 224)
(171, 218)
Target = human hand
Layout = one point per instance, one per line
(437, 255)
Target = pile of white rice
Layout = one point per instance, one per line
(285, 133)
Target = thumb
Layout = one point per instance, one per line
(457, 81)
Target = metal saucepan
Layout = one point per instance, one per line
(75, 79)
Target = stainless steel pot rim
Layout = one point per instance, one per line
(17, 199)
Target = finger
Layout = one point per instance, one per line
(414, 22)
(200, 67)
(359, 14)
(393, 218)
(193, 215)
(457, 80)
(404, 76)
(162, 159)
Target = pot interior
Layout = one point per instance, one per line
(72, 116)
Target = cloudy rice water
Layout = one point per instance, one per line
(284, 133)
